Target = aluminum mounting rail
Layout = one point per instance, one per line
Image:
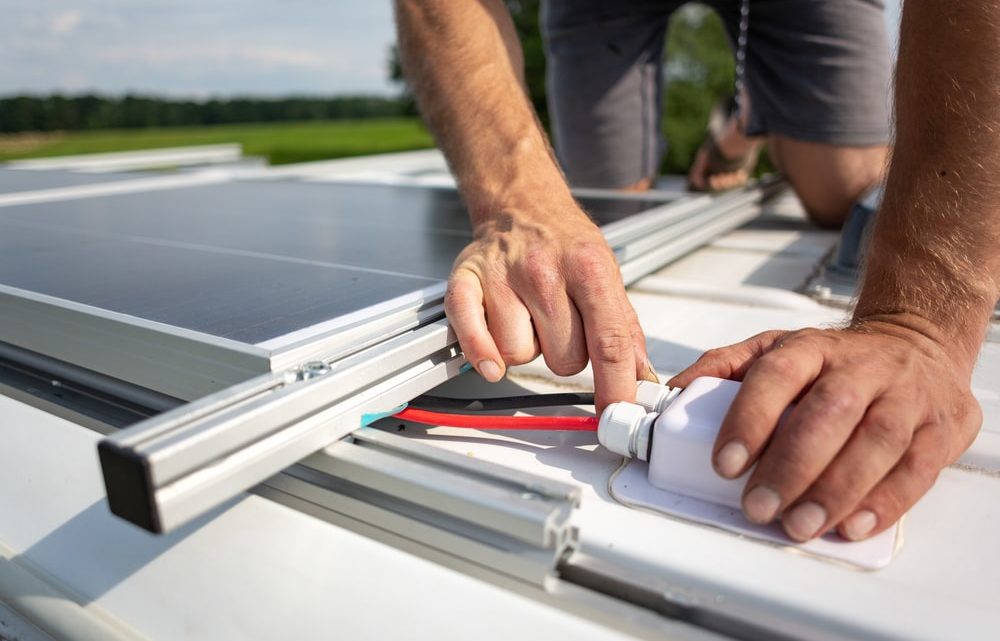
(136, 160)
(656, 248)
(169, 469)
(389, 486)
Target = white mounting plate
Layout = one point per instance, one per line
(631, 487)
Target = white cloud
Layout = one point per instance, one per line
(66, 22)
(193, 47)
(266, 56)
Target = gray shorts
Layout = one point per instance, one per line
(817, 70)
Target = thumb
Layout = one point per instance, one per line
(730, 362)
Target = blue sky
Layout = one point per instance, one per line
(195, 47)
(199, 47)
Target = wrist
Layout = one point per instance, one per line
(531, 199)
(522, 177)
(919, 278)
(959, 343)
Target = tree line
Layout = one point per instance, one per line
(92, 111)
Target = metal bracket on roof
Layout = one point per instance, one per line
(166, 470)
(392, 487)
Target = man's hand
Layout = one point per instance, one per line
(539, 276)
(525, 286)
(879, 409)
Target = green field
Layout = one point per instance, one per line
(279, 142)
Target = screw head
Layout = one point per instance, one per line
(313, 369)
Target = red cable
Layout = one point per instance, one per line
(444, 419)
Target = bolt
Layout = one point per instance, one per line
(313, 369)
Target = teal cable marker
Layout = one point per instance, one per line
(368, 419)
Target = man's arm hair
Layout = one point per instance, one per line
(465, 66)
(538, 275)
(935, 252)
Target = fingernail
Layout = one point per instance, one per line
(761, 504)
(651, 374)
(860, 524)
(731, 458)
(489, 370)
(804, 521)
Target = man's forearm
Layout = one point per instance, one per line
(538, 275)
(935, 254)
(464, 63)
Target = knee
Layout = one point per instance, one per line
(828, 190)
(828, 212)
(830, 207)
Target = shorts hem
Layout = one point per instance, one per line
(825, 135)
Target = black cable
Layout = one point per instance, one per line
(440, 403)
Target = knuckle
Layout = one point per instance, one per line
(923, 470)
(592, 264)
(713, 355)
(968, 428)
(611, 345)
(887, 433)
(777, 365)
(832, 398)
(768, 337)
(540, 272)
(963, 411)
(542, 285)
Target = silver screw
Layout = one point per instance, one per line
(313, 369)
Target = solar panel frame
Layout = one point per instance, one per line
(20, 180)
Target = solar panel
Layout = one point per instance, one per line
(245, 261)
(193, 288)
(17, 180)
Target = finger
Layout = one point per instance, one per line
(696, 175)
(643, 368)
(728, 180)
(560, 334)
(803, 446)
(910, 479)
(595, 290)
(510, 325)
(774, 381)
(878, 443)
(557, 322)
(730, 362)
(463, 306)
(561, 338)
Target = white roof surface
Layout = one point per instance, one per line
(257, 570)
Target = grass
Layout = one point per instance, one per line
(281, 143)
